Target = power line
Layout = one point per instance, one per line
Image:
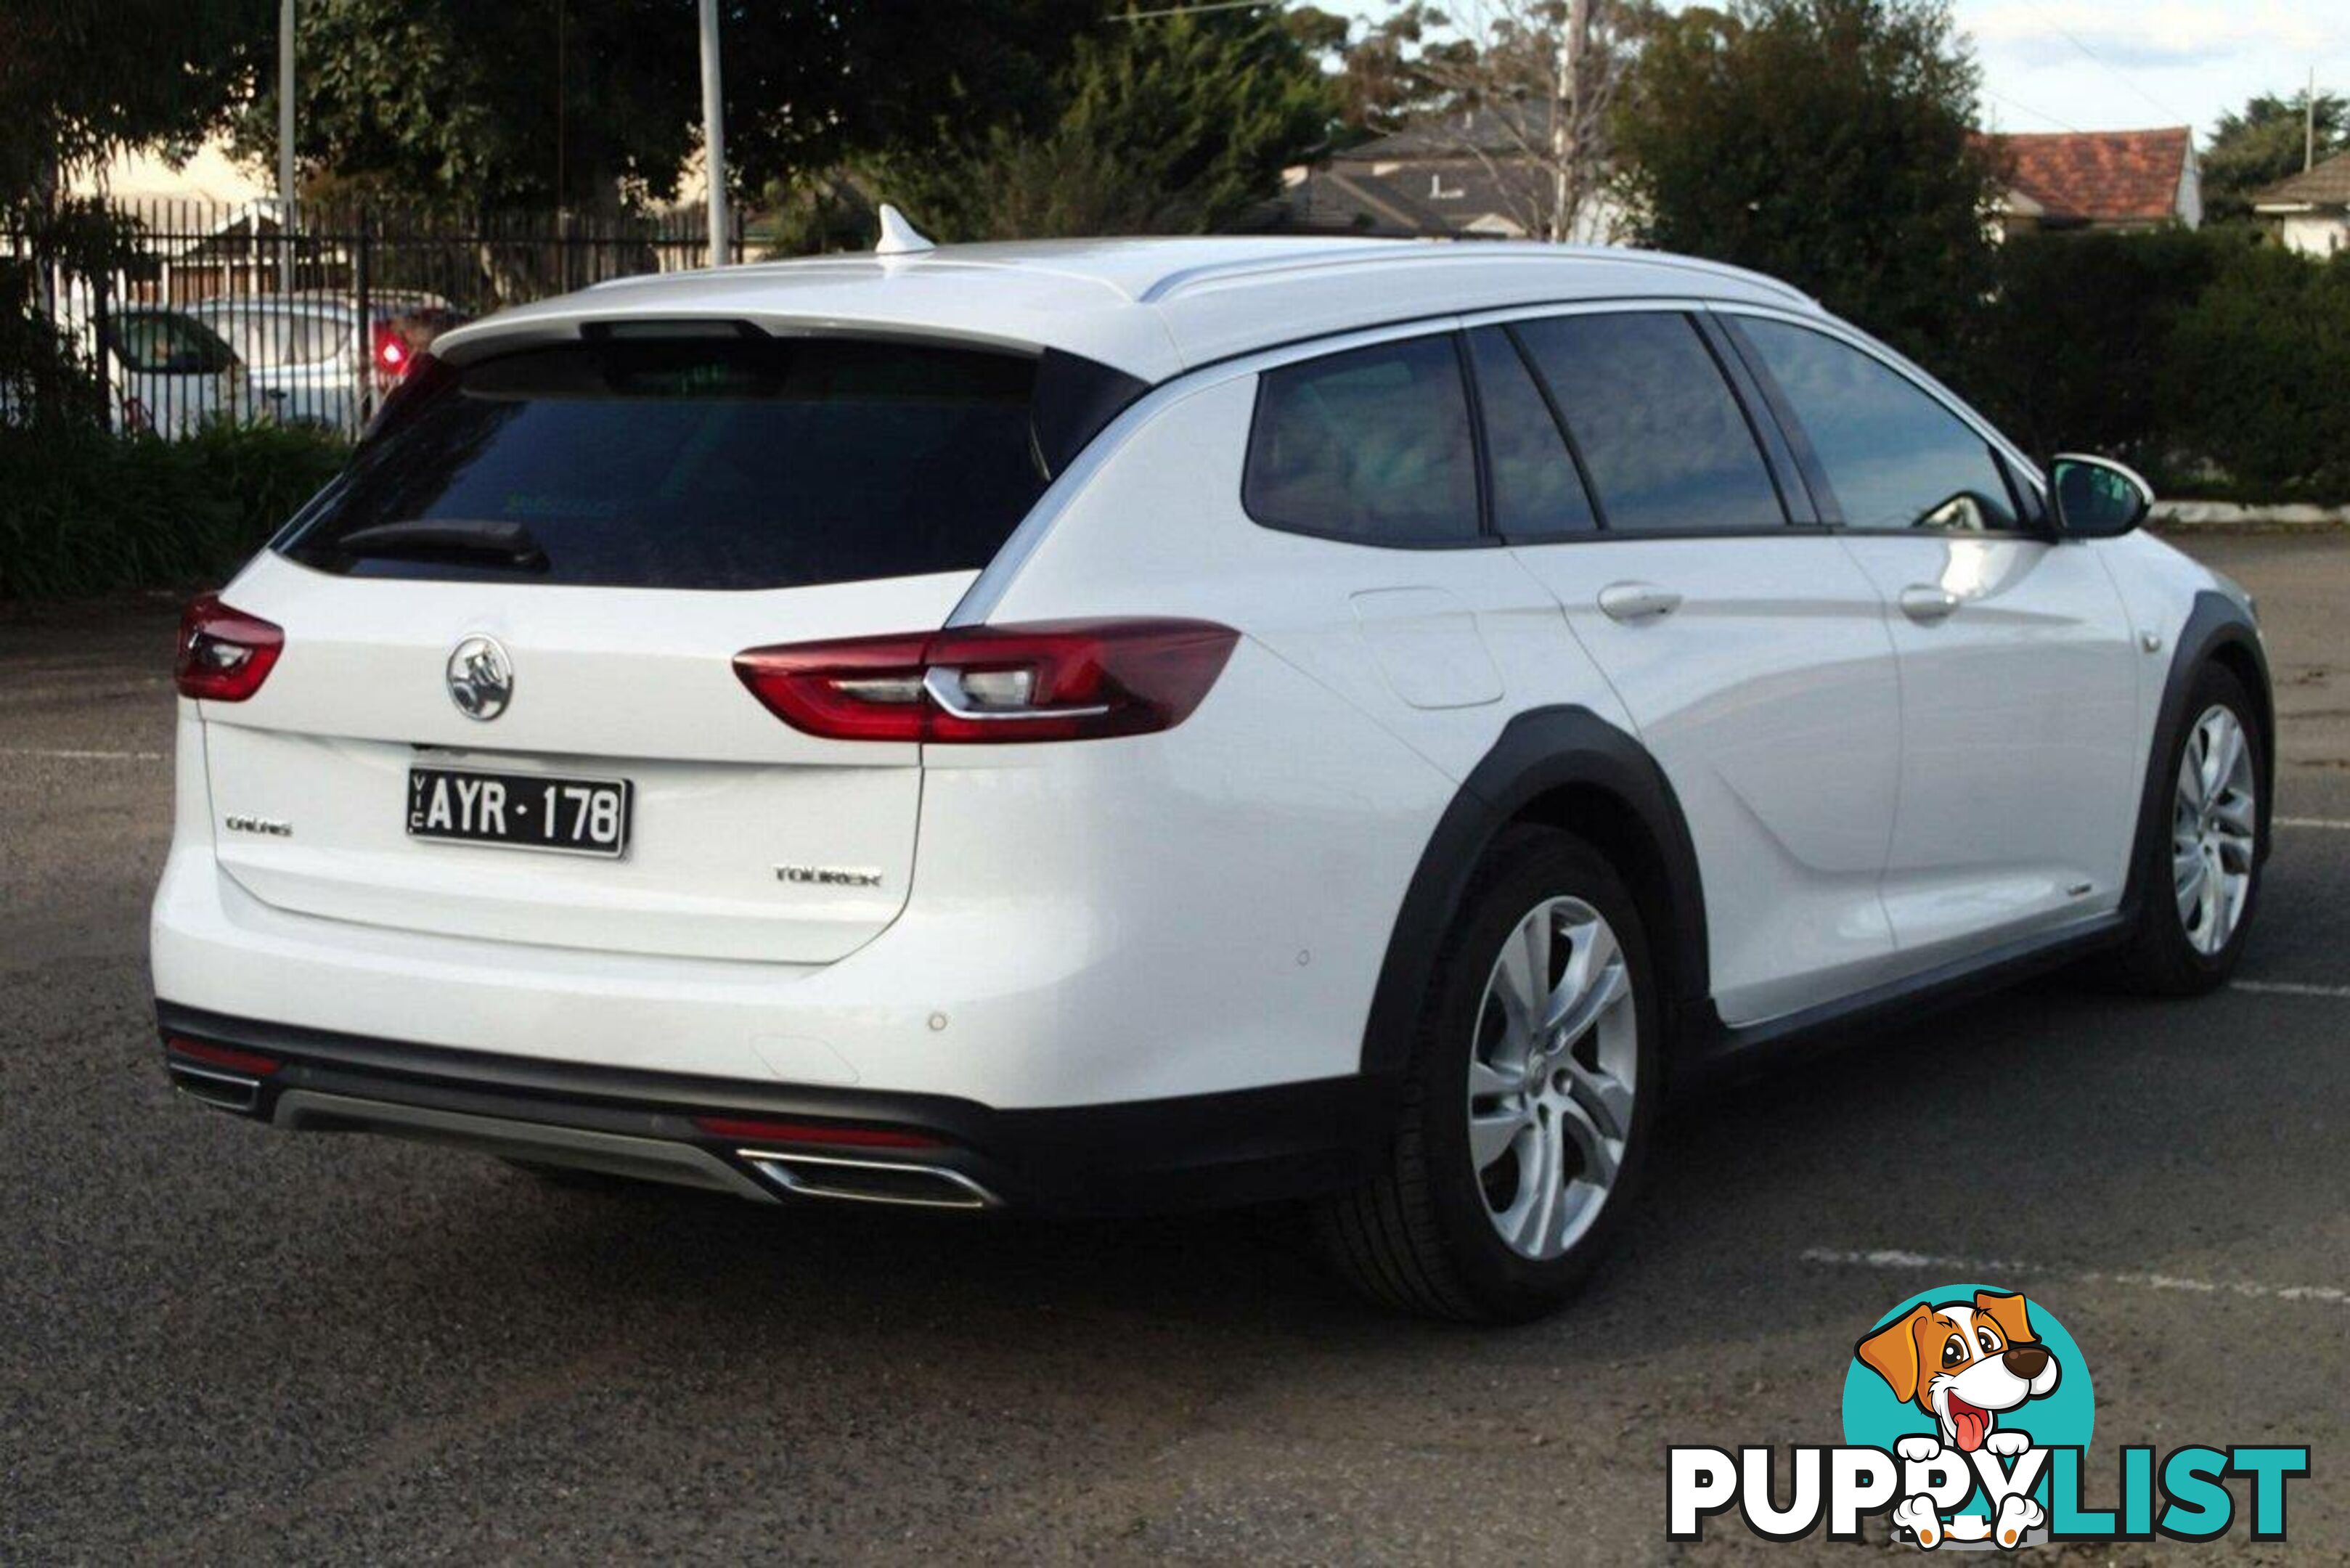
(2036, 114)
(2062, 32)
(1180, 10)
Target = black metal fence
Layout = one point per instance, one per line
(202, 311)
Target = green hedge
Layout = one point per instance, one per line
(82, 512)
(2217, 364)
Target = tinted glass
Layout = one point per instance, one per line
(1371, 445)
(1536, 491)
(167, 343)
(1893, 456)
(1667, 445)
(698, 464)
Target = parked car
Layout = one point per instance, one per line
(308, 358)
(1125, 724)
(168, 373)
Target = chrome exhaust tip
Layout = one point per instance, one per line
(223, 1090)
(894, 1182)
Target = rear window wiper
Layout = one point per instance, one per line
(433, 538)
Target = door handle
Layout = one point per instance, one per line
(1637, 601)
(1926, 604)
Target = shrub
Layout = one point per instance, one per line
(2257, 376)
(83, 511)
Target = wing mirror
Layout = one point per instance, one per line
(2095, 497)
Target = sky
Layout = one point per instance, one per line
(2100, 65)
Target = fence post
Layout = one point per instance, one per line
(362, 269)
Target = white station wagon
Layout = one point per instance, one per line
(1125, 724)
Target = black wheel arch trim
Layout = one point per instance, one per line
(2216, 627)
(1540, 752)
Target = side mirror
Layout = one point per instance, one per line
(2095, 497)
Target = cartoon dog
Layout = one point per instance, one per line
(1963, 1364)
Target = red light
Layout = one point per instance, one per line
(1054, 681)
(836, 1134)
(252, 1062)
(224, 654)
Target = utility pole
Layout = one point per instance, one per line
(713, 131)
(2309, 124)
(286, 145)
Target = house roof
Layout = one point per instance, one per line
(2094, 176)
(1454, 135)
(2326, 185)
(1151, 307)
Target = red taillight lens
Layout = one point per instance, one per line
(391, 355)
(840, 1135)
(1053, 681)
(224, 654)
(228, 1056)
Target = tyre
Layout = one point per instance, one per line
(1527, 1101)
(2201, 867)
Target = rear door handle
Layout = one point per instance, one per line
(1637, 601)
(1926, 604)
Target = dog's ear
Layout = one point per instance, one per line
(2008, 1312)
(1891, 1353)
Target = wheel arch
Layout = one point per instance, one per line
(1568, 768)
(2218, 630)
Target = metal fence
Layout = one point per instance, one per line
(206, 312)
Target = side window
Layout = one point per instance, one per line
(1895, 457)
(1537, 493)
(1371, 445)
(1663, 437)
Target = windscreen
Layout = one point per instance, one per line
(166, 343)
(731, 462)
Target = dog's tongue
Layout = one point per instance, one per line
(1970, 1425)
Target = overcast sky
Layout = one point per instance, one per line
(2148, 62)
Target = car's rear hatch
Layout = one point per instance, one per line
(620, 519)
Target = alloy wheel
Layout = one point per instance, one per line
(2213, 823)
(1551, 1077)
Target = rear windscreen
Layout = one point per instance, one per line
(690, 464)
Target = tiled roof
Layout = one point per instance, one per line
(1453, 135)
(2326, 185)
(2110, 176)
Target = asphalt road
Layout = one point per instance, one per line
(223, 1345)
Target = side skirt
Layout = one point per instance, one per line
(1718, 1055)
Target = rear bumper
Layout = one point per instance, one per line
(1195, 1151)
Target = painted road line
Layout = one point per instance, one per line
(2310, 822)
(68, 756)
(1894, 1259)
(2289, 987)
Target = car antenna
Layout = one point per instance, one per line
(899, 237)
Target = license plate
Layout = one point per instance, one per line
(520, 811)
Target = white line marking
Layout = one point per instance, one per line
(2289, 987)
(74, 756)
(1992, 1270)
(2310, 822)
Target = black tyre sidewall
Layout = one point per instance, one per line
(1528, 868)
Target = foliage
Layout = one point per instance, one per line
(2263, 144)
(1399, 72)
(1178, 124)
(597, 103)
(83, 511)
(2072, 346)
(2258, 374)
(1828, 143)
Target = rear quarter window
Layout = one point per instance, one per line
(697, 463)
(1372, 446)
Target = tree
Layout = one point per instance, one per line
(1828, 143)
(1536, 95)
(595, 104)
(1174, 124)
(2263, 144)
(1395, 74)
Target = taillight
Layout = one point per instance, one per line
(392, 352)
(842, 1134)
(224, 654)
(1052, 680)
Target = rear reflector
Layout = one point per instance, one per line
(1051, 680)
(837, 1135)
(227, 1056)
(224, 654)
